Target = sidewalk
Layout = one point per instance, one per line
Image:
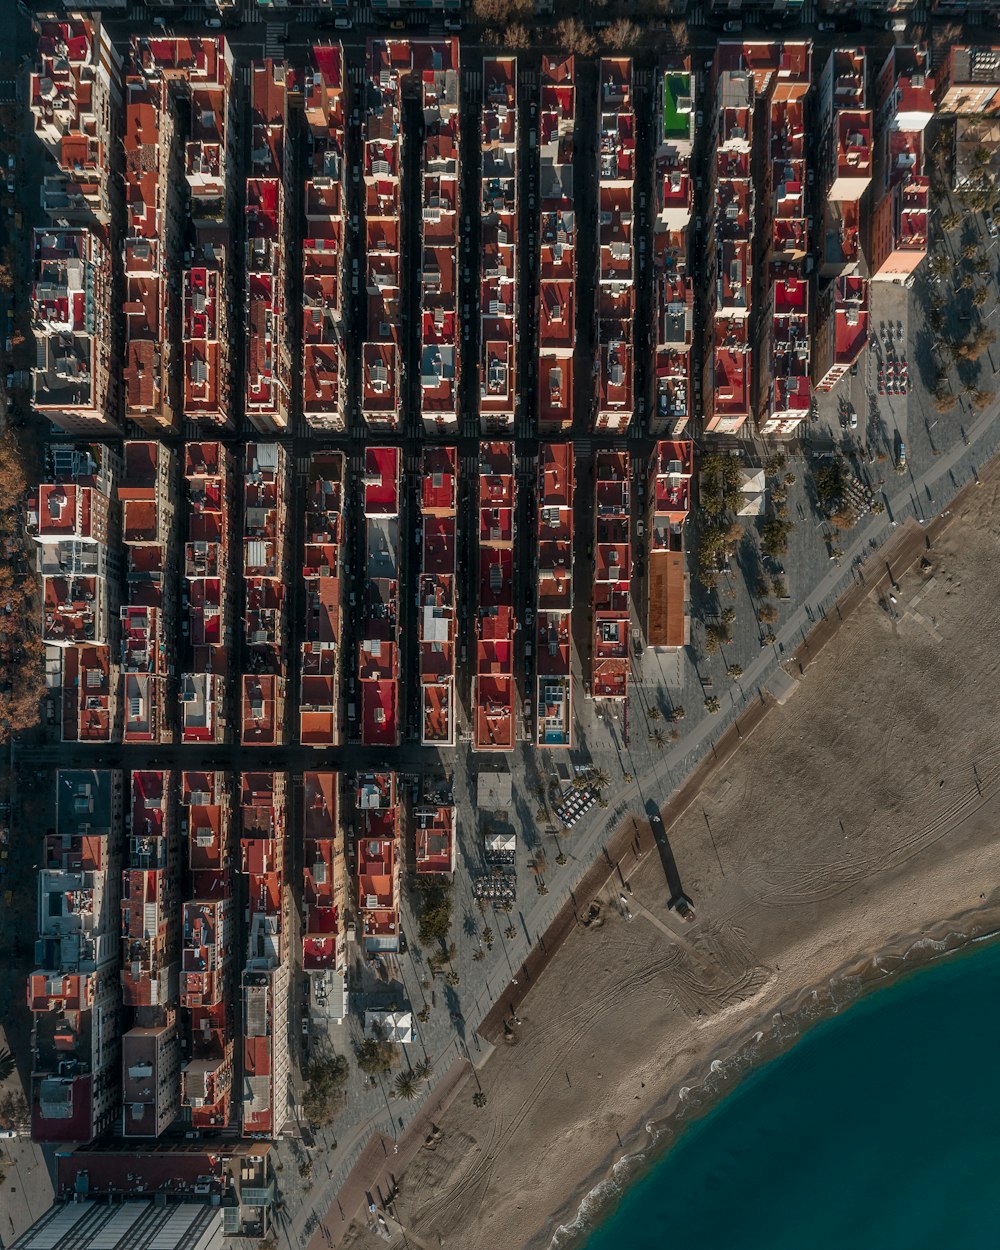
(383, 1162)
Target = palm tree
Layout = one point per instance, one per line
(940, 266)
(951, 221)
(479, 1099)
(510, 933)
(7, 1064)
(487, 935)
(980, 297)
(424, 1069)
(658, 738)
(654, 713)
(406, 1085)
(599, 779)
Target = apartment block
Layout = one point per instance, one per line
(75, 90)
(437, 605)
(554, 607)
(388, 60)
(73, 517)
(843, 328)
(268, 361)
(845, 127)
(208, 321)
(73, 384)
(437, 64)
(493, 687)
(378, 864)
(378, 649)
(74, 993)
(615, 302)
(323, 572)
(498, 290)
(904, 104)
(612, 589)
(265, 979)
(150, 1067)
(324, 877)
(324, 366)
(673, 297)
(557, 258)
(434, 835)
(266, 570)
(784, 394)
(146, 492)
(208, 953)
(208, 593)
(668, 622)
(970, 81)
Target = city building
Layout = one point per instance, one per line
(150, 961)
(324, 366)
(612, 590)
(75, 89)
(162, 84)
(843, 328)
(434, 835)
(208, 479)
(382, 167)
(673, 297)
(554, 606)
(437, 606)
(615, 301)
(324, 894)
(265, 979)
(498, 264)
(130, 1224)
(208, 952)
(378, 648)
(728, 361)
(783, 392)
(268, 360)
(970, 80)
(208, 308)
(668, 622)
(556, 244)
(73, 517)
(266, 570)
(378, 862)
(846, 151)
(73, 994)
(493, 687)
(437, 64)
(73, 384)
(904, 104)
(146, 493)
(323, 571)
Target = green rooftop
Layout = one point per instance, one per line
(676, 125)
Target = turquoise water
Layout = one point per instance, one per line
(881, 1128)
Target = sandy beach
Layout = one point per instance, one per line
(855, 829)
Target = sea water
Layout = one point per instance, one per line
(880, 1128)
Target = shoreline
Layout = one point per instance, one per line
(748, 1051)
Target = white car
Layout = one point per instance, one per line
(854, 420)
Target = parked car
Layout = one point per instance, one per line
(734, 27)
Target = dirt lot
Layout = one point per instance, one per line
(860, 813)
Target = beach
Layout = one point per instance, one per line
(854, 830)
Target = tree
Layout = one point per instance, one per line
(728, 616)
(767, 613)
(479, 1099)
(574, 37)
(951, 221)
(658, 737)
(734, 671)
(677, 713)
(435, 912)
(969, 251)
(944, 401)
(715, 637)
(980, 296)
(940, 266)
(654, 713)
(406, 1086)
(487, 935)
(517, 35)
(453, 978)
(423, 1070)
(712, 704)
(7, 1064)
(6, 278)
(774, 536)
(982, 399)
(510, 933)
(374, 1055)
(599, 779)
(622, 34)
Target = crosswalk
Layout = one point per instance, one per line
(274, 45)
